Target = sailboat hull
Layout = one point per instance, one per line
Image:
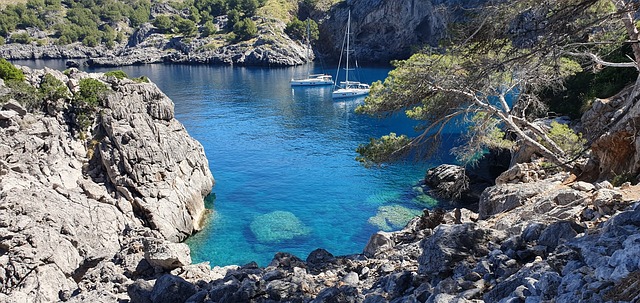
(310, 82)
(349, 93)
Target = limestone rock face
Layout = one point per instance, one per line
(151, 162)
(16, 51)
(72, 223)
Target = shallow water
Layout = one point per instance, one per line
(283, 160)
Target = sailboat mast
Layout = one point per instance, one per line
(348, 49)
(308, 40)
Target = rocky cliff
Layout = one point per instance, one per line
(388, 30)
(79, 218)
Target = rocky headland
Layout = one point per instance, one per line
(147, 45)
(97, 219)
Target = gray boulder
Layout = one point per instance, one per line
(166, 255)
(501, 198)
(15, 106)
(171, 289)
(451, 244)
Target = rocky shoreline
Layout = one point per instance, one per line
(98, 220)
(147, 46)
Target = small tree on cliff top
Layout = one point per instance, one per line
(492, 69)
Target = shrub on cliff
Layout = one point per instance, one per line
(22, 38)
(51, 92)
(209, 29)
(119, 74)
(53, 89)
(298, 29)
(24, 93)
(85, 102)
(9, 72)
(163, 23)
(245, 29)
(186, 27)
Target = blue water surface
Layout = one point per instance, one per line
(283, 160)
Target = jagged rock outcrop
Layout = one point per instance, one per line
(79, 219)
(151, 162)
(456, 184)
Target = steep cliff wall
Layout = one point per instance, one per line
(387, 30)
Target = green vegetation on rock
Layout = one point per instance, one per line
(298, 29)
(9, 72)
(119, 74)
(86, 100)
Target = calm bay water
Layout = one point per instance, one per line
(283, 160)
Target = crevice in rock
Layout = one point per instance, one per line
(86, 264)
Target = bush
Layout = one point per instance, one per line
(298, 29)
(567, 139)
(9, 72)
(140, 12)
(208, 29)
(90, 41)
(233, 17)
(186, 27)
(85, 102)
(91, 92)
(51, 92)
(2, 41)
(22, 38)
(53, 89)
(141, 79)
(24, 93)
(119, 74)
(163, 23)
(245, 29)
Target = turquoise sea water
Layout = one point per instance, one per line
(283, 160)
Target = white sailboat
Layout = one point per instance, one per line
(348, 89)
(312, 79)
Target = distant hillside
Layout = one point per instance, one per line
(122, 32)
